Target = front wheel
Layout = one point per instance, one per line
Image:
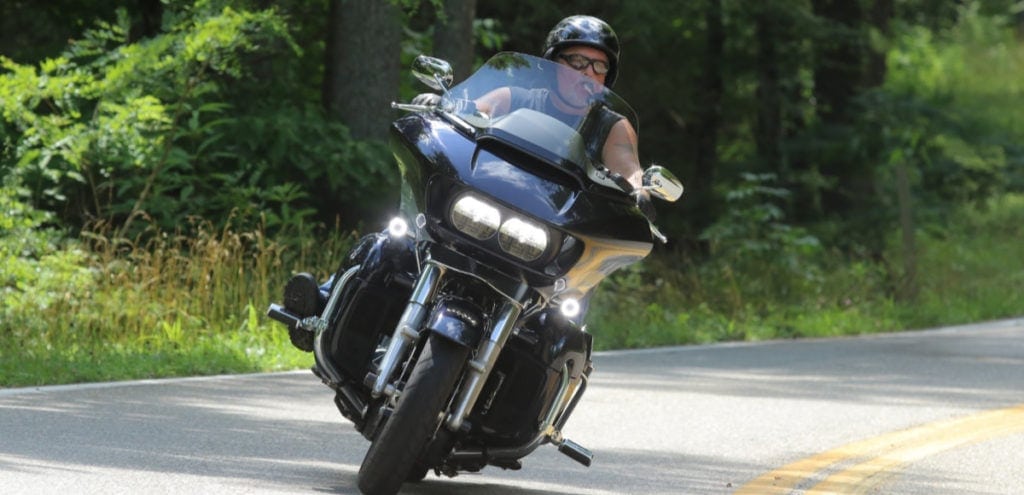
(393, 453)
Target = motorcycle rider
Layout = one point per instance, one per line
(581, 43)
(588, 45)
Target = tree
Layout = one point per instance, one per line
(768, 131)
(710, 112)
(150, 19)
(879, 17)
(362, 65)
(31, 31)
(453, 35)
(838, 80)
(837, 72)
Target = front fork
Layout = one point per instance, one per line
(407, 333)
(480, 367)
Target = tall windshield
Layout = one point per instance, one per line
(571, 95)
(539, 106)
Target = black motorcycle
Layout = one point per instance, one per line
(453, 339)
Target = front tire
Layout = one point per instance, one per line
(393, 454)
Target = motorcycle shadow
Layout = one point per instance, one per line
(466, 485)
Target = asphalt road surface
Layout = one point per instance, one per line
(929, 412)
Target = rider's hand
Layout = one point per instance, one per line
(427, 99)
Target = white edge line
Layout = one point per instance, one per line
(74, 387)
(990, 325)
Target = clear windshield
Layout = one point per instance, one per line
(539, 103)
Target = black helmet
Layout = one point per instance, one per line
(589, 31)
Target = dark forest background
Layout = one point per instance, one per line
(278, 107)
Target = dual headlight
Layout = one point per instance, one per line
(481, 220)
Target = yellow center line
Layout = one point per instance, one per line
(879, 455)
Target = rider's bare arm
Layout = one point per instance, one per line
(495, 103)
(620, 153)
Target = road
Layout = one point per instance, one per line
(914, 413)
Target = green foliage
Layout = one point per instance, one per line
(942, 114)
(971, 266)
(169, 127)
(489, 35)
(39, 272)
(971, 270)
(752, 236)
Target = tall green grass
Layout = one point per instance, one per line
(104, 308)
(974, 269)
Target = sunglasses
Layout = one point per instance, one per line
(579, 62)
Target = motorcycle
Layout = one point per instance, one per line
(453, 339)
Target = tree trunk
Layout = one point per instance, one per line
(361, 70)
(838, 77)
(838, 69)
(908, 289)
(453, 36)
(879, 16)
(768, 132)
(150, 22)
(1019, 16)
(709, 116)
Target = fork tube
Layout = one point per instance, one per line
(480, 368)
(407, 330)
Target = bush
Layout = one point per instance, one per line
(181, 125)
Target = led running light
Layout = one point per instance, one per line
(570, 308)
(397, 228)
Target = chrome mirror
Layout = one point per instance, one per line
(433, 72)
(662, 184)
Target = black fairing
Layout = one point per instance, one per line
(438, 161)
(382, 282)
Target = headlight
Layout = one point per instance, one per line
(475, 218)
(480, 219)
(522, 239)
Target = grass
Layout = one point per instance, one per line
(102, 308)
(974, 270)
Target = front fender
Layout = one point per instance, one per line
(457, 320)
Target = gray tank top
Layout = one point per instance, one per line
(598, 124)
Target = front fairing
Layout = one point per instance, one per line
(529, 166)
